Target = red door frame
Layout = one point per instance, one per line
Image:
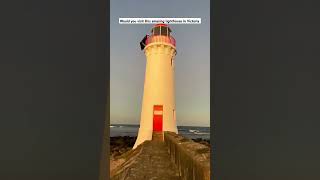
(158, 118)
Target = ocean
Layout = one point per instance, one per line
(192, 132)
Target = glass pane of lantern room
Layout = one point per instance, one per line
(164, 31)
(156, 31)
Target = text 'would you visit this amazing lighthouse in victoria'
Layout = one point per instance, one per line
(158, 104)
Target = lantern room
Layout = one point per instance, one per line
(161, 30)
(160, 33)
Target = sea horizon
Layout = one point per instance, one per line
(177, 125)
(192, 132)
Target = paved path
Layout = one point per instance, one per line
(151, 162)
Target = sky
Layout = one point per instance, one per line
(127, 61)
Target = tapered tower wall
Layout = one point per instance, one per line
(159, 89)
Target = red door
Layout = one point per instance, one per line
(157, 118)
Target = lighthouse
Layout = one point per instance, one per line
(158, 113)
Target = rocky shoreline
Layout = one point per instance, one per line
(122, 144)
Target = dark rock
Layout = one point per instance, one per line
(121, 144)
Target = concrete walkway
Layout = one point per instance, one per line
(149, 161)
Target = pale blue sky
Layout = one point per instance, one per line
(127, 61)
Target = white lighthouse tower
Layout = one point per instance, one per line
(158, 104)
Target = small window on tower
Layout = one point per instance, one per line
(171, 61)
(173, 114)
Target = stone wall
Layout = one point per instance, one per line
(191, 158)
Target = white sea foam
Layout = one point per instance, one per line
(200, 133)
(194, 131)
